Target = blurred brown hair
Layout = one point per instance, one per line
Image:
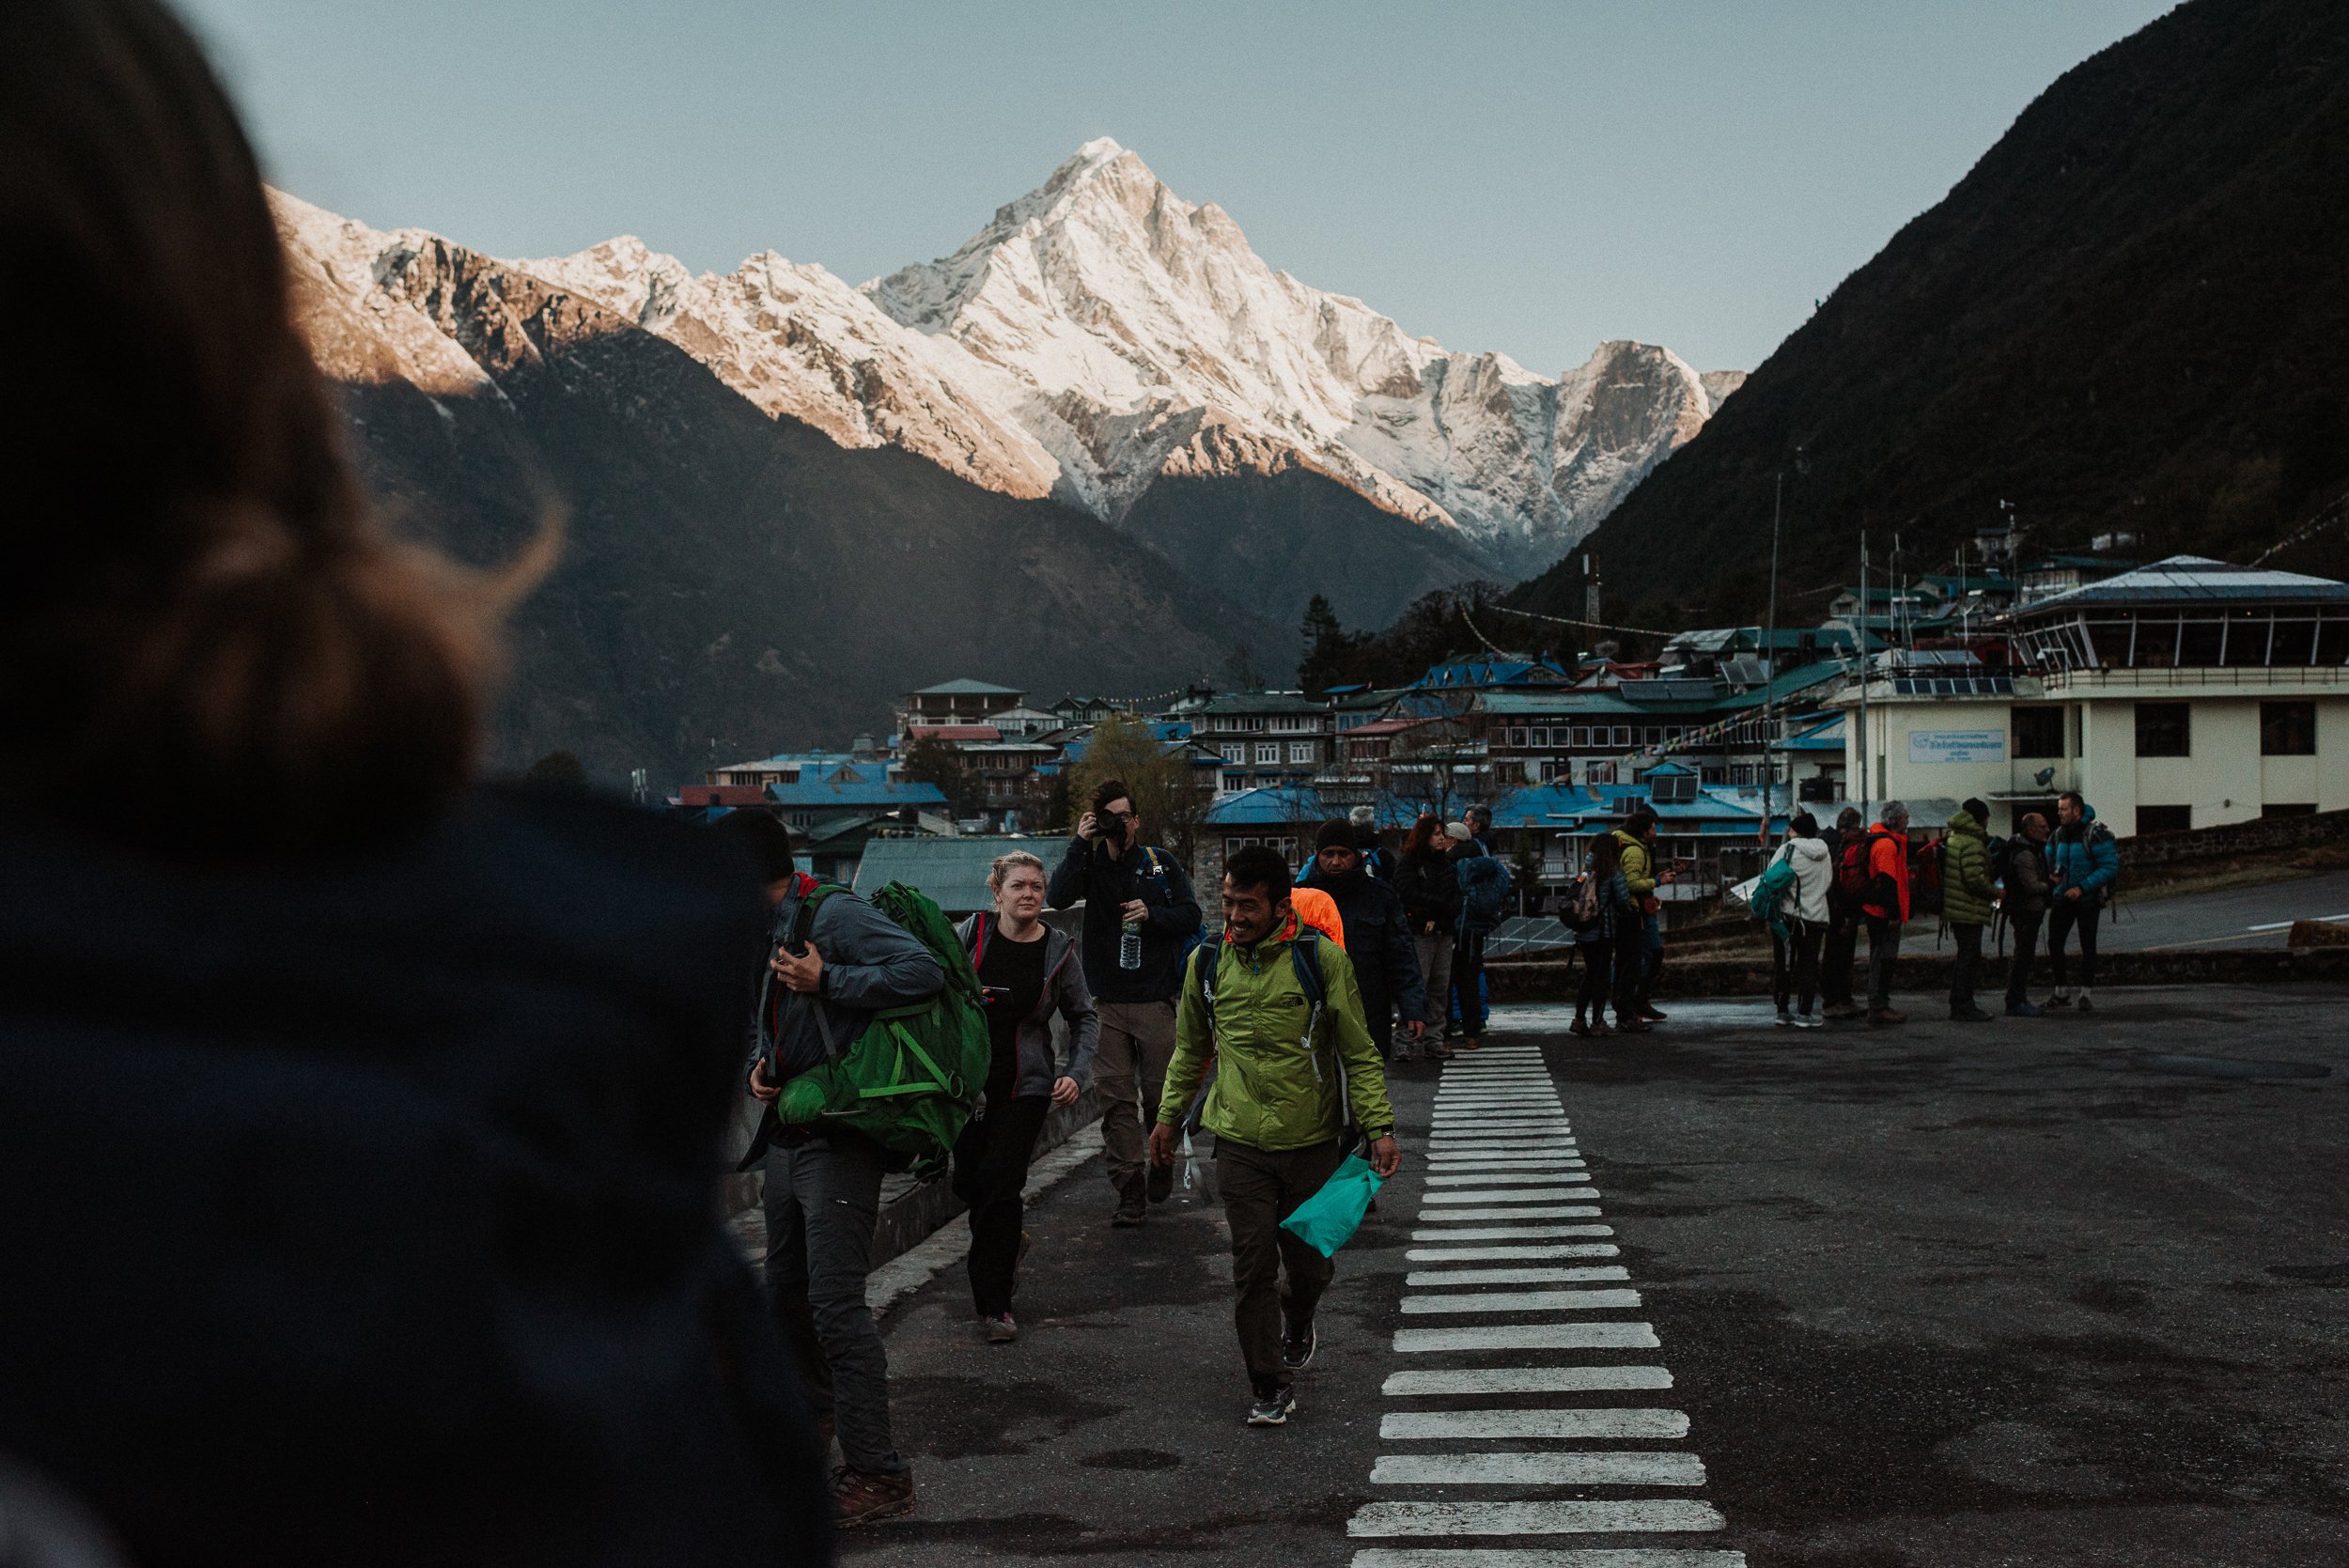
(200, 606)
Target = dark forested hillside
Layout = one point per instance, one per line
(729, 578)
(2133, 315)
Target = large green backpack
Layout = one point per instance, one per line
(909, 1080)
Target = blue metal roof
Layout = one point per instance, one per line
(1574, 808)
(845, 785)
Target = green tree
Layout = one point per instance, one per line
(932, 761)
(1328, 653)
(1173, 803)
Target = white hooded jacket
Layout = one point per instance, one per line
(1812, 872)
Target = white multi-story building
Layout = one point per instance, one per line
(2182, 694)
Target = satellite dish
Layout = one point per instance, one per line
(2044, 777)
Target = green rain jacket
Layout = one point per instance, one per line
(1965, 886)
(1638, 868)
(1273, 1088)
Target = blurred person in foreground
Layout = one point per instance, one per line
(360, 1126)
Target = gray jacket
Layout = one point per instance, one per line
(870, 962)
(1065, 989)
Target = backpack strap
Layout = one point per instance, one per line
(813, 893)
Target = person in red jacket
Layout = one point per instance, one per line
(1885, 906)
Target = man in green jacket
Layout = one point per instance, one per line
(1966, 890)
(1276, 1107)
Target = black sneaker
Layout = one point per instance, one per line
(2057, 1002)
(1162, 1183)
(1298, 1346)
(1272, 1407)
(2083, 1004)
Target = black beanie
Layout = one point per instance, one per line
(1337, 831)
(1974, 808)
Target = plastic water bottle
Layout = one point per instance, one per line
(1129, 946)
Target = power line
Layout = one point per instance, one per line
(1594, 626)
(2330, 513)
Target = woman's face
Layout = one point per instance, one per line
(1020, 898)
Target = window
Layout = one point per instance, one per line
(2039, 732)
(1267, 754)
(1301, 751)
(1623, 735)
(1579, 737)
(2163, 820)
(1600, 773)
(1518, 737)
(2287, 729)
(2162, 730)
(2277, 808)
(1235, 751)
(1553, 771)
(1541, 735)
(1235, 783)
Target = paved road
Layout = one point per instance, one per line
(2231, 917)
(1945, 1294)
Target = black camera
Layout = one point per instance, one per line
(1111, 829)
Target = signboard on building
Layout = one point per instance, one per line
(1957, 746)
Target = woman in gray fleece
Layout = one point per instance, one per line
(1029, 971)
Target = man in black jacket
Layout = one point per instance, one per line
(1377, 938)
(823, 1187)
(1139, 915)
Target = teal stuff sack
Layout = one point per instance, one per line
(1329, 1218)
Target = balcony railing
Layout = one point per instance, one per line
(2196, 675)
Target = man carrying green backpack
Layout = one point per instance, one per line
(835, 966)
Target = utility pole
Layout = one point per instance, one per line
(1769, 666)
(1590, 596)
(1859, 636)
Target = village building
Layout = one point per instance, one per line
(2182, 694)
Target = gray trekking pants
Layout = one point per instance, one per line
(823, 1199)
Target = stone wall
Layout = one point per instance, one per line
(2262, 836)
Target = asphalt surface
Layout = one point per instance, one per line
(2228, 917)
(2015, 1293)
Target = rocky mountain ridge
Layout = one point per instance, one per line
(1102, 333)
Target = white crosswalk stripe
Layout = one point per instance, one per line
(1525, 1336)
(1520, 1302)
(1523, 1380)
(1514, 1276)
(1533, 1518)
(1502, 1162)
(1537, 1557)
(1622, 1469)
(1498, 1254)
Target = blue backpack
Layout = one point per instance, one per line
(1484, 888)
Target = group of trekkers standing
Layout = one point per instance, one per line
(1273, 1036)
(1822, 889)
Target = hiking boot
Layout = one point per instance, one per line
(1131, 1205)
(1579, 1028)
(859, 1498)
(2058, 999)
(1968, 1015)
(1805, 1020)
(1785, 1018)
(1599, 1030)
(1840, 1010)
(1651, 1014)
(1298, 1346)
(1631, 1026)
(998, 1329)
(1884, 1018)
(1272, 1407)
(2025, 1010)
(1469, 1042)
(1162, 1183)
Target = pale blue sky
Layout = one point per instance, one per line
(1529, 177)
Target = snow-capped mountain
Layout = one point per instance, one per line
(1101, 333)
(1149, 339)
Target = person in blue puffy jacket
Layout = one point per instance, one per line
(2083, 862)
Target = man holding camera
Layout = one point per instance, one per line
(1139, 915)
